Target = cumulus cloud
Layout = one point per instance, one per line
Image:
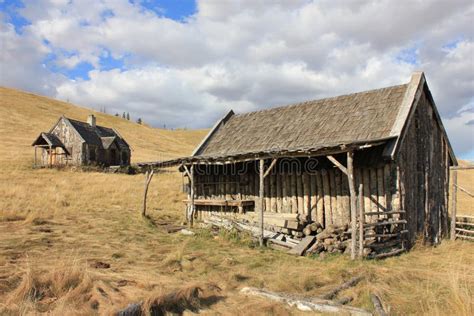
(246, 55)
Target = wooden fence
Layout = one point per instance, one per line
(462, 226)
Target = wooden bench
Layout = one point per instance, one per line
(224, 203)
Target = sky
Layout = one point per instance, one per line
(184, 63)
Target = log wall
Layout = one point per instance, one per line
(322, 194)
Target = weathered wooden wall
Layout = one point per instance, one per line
(321, 192)
(424, 175)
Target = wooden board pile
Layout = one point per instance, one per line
(285, 223)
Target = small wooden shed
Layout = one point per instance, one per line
(368, 159)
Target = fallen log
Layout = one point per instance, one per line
(352, 282)
(380, 311)
(314, 304)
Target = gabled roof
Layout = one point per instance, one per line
(358, 118)
(97, 135)
(49, 139)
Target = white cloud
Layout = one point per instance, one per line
(250, 54)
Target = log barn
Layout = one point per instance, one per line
(72, 142)
(376, 161)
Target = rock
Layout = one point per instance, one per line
(187, 232)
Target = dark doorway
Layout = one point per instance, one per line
(113, 157)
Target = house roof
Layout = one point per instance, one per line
(98, 135)
(328, 124)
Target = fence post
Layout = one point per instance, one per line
(453, 204)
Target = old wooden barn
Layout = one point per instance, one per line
(72, 142)
(376, 161)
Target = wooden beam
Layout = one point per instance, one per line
(337, 163)
(270, 168)
(148, 176)
(186, 170)
(261, 200)
(36, 147)
(191, 197)
(453, 205)
(461, 168)
(464, 190)
(350, 177)
(361, 220)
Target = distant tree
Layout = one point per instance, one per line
(128, 116)
(139, 121)
(123, 115)
(117, 115)
(164, 126)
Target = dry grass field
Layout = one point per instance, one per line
(74, 243)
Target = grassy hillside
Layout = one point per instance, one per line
(25, 115)
(73, 243)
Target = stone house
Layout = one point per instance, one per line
(71, 142)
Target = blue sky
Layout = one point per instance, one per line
(185, 63)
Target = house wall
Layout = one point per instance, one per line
(423, 167)
(305, 186)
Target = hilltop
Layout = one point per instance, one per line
(24, 115)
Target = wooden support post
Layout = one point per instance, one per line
(148, 176)
(453, 204)
(361, 220)
(261, 201)
(350, 178)
(36, 147)
(191, 195)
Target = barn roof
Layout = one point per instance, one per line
(327, 124)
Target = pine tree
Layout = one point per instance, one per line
(123, 115)
(128, 116)
(139, 121)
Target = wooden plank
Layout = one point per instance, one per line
(401, 221)
(286, 208)
(294, 198)
(350, 176)
(267, 194)
(303, 245)
(381, 191)
(319, 198)
(387, 181)
(346, 201)
(327, 198)
(453, 205)
(273, 204)
(337, 163)
(373, 192)
(279, 193)
(299, 192)
(306, 194)
(333, 192)
(339, 213)
(361, 219)
(465, 230)
(261, 202)
(313, 198)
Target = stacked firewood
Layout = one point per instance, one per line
(332, 239)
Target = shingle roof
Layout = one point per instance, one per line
(98, 134)
(358, 117)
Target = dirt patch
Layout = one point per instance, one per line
(12, 218)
